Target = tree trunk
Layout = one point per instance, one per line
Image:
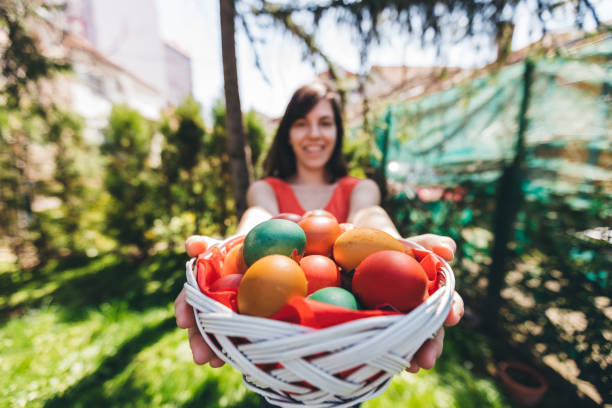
(507, 206)
(239, 167)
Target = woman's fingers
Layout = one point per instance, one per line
(444, 251)
(196, 244)
(202, 353)
(185, 319)
(183, 312)
(414, 367)
(429, 352)
(443, 246)
(456, 312)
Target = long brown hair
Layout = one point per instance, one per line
(281, 161)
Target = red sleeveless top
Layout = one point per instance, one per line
(338, 204)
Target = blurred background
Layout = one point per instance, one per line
(127, 126)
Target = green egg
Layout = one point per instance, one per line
(336, 296)
(274, 237)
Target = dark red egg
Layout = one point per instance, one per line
(390, 278)
(227, 282)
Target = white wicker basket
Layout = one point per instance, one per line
(371, 349)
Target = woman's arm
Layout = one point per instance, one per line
(365, 209)
(262, 206)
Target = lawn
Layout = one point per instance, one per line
(101, 332)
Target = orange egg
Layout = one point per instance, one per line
(320, 271)
(354, 245)
(234, 261)
(321, 233)
(268, 285)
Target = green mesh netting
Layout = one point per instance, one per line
(543, 215)
(469, 131)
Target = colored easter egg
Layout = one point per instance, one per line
(227, 282)
(288, 216)
(234, 261)
(336, 296)
(274, 236)
(318, 213)
(321, 233)
(354, 245)
(320, 272)
(268, 285)
(390, 278)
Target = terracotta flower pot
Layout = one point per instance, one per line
(525, 385)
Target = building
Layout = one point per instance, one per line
(179, 82)
(384, 85)
(97, 84)
(117, 57)
(126, 33)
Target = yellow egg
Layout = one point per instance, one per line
(268, 285)
(354, 245)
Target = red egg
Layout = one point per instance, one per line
(320, 272)
(321, 233)
(390, 278)
(227, 282)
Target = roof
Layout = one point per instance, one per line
(72, 41)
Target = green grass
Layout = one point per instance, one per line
(101, 332)
(457, 380)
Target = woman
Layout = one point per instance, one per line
(306, 171)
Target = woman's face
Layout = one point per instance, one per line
(313, 137)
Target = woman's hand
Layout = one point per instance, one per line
(202, 354)
(185, 319)
(443, 246)
(426, 356)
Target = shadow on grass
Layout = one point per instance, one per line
(208, 396)
(12, 281)
(89, 392)
(107, 279)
